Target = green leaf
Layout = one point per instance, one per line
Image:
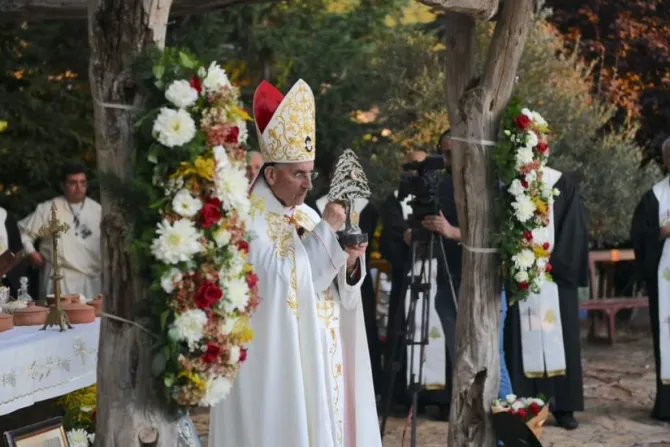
(159, 71)
(187, 61)
(158, 363)
(164, 317)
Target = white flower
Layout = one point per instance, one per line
(540, 402)
(222, 237)
(524, 259)
(232, 188)
(518, 405)
(524, 208)
(540, 235)
(531, 177)
(236, 265)
(77, 437)
(169, 279)
(189, 327)
(237, 294)
(538, 119)
(174, 127)
(527, 112)
(176, 242)
(202, 72)
(185, 204)
(510, 398)
(516, 188)
(537, 283)
(556, 192)
(523, 157)
(220, 157)
(531, 139)
(181, 94)
(86, 409)
(244, 132)
(218, 389)
(521, 276)
(234, 355)
(216, 78)
(228, 326)
(541, 264)
(91, 438)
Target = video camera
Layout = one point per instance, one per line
(420, 180)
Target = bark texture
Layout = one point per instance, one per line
(475, 106)
(129, 413)
(77, 9)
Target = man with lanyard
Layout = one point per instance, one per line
(79, 251)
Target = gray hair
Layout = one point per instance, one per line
(665, 148)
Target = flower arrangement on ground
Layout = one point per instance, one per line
(193, 240)
(533, 411)
(79, 416)
(520, 157)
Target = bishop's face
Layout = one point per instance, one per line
(290, 182)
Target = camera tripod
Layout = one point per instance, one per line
(418, 281)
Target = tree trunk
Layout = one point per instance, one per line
(129, 413)
(475, 107)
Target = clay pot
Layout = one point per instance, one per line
(97, 305)
(79, 313)
(64, 299)
(6, 322)
(74, 298)
(30, 316)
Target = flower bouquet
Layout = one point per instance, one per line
(79, 408)
(533, 411)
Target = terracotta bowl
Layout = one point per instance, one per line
(30, 316)
(79, 313)
(6, 322)
(74, 298)
(64, 299)
(97, 305)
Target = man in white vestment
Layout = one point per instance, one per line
(307, 379)
(79, 247)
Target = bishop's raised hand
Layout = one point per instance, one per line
(335, 215)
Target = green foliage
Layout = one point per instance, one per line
(45, 99)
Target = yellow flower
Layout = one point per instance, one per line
(204, 167)
(540, 252)
(241, 113)
(541, 206)
(248, 268)
(197, 381)
(3, 125)
(242, 331)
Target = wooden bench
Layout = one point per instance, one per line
(602, 289)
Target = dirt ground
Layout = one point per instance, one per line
(619, 390)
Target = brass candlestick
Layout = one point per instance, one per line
(54, 229)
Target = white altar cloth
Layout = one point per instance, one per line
(38, 365)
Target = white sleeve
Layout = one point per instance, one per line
(350, 294)
(29, 226)
(326, 257)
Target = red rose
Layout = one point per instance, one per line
(528, 235)
(524, 183)
(195, 83)
(212, 353)
(542, 147)
(522, 122)
(546, 245)
(522, 414)
(548, 268)
(210, 213)
(243, 245)
(534, 409)
(523, 285)
(252, 280)
(207, 295)
(243, 354)
(233, 135)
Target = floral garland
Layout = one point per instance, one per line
(523, 408)
(520, 156)
(194, 238)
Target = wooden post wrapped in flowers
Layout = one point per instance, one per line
(193, 238)
(520, 157)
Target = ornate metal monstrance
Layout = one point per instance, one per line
(53, 229)
(349, 183)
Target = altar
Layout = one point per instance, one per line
(37, 365)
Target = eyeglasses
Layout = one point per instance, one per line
(302, 176)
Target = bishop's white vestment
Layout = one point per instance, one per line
(79, 247)
(307, 380)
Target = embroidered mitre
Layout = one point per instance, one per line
(286, 125)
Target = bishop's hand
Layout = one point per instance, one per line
(335, 215)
